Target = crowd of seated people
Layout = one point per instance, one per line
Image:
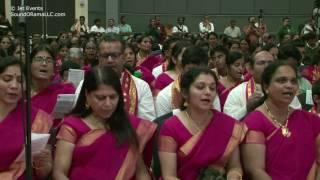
(148, 102)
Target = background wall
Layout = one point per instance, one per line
(54, 24)
(139, 12)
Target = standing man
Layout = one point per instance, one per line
(81, 27)
(180, 27)
(111, 28)
(124, 28)
(232, 30)
(285, 29)
(97, 28)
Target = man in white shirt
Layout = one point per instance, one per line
(206, 26)
(81, 27)
(232, 30)
(246, 94)
(168, 98)
(111, 28)
(137, 95)
(180, 27)
(97, 28)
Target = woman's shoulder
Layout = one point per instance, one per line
(76, 123)
(254, 119)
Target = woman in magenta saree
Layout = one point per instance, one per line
(12, 126)
(199, 139)
(144, 56)
(162, 81)
(281, 143)
(99, 140)
(44, 92)
(235, 67)
(174, 68)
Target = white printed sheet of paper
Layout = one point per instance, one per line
(38, 142)
(64, 105)
(75, 76)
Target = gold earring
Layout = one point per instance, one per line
(185, 104)
(87, 106)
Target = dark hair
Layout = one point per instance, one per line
(266, 78)
(168, 42)
(309, 36)
(140, 38)
(253, 57)
(190, 76)
(8, 61)
(233, 57)
(119, 121)
(289, 51)
(112, 37)
(316, 88)
(269, 46)
(285, 18)
(212, 33)
(219, 48)
(298, 43)
(41, 47)
(66, 65)
(96, 20)
(194, 55)
(64, 45)
(176, 50)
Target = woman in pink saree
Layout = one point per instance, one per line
(99, 140)
(43, 91)
(144, 56)
(198, 140)
(235, 66)
(12, 126)
(281, 143)
(138, 71)
(174, 68)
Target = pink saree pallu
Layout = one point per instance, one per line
(210, 147)
(12, 140)
(287, 158)
(97, 154)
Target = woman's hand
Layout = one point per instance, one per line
(42, 163)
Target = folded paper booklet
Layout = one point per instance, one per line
(75, 76)
(38, 142)
(64, 105)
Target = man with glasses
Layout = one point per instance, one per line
(136, 92)
(242, 98)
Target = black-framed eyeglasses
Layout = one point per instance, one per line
(43, 59)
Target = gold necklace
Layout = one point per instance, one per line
(284, 128)
(192, 122)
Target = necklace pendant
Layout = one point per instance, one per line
(285, 132)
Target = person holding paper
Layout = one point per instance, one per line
(100, 140)
(11, 125)
(43, 91)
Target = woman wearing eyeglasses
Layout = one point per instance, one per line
(44, 91)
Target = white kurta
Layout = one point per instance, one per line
(236, 103)
(164, 101)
